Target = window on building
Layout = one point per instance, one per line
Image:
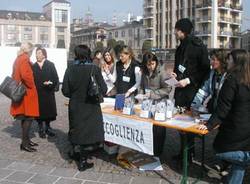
(130, 33)
(60, 29)
(61, 16)
(11, 27)
(11, 36)
(44, 37)
(44, 29)
(123, 33)
(110, 35)
(27, 28)
(116, 34)
(27, 36)
(60, 37)
(130, 43)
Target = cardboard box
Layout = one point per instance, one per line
(110, 148)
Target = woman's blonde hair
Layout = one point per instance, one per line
(26, 48)
(127, 50)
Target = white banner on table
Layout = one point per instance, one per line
(131, 133)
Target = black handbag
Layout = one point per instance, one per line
(94, 93)
(12, 89)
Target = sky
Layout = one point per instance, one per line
(102, 10)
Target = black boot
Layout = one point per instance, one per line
(83, 164)
(74, 155)
(41, 131)
(48, 129)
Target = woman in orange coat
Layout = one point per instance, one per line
(28, 108)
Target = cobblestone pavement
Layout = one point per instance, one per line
(51, 164)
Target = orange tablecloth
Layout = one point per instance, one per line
(192, 129)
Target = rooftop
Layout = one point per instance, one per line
(23, 15)
(57, 1)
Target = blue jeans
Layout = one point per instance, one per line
(239, 160)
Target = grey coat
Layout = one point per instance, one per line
(85, 119)
(156, 83)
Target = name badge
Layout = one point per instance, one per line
(160, 116)
(181, 68)
(125, 79)
(217, 85)
(127, 110)
(145, 114)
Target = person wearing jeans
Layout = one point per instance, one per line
(232, 143)
(240, 160)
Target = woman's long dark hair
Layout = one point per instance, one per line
(241, 66)
(148, 57)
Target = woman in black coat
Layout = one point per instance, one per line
(232, 143)
(47, 82)
(85, 118)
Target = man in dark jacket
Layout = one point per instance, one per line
(191, 63)
(191, 68)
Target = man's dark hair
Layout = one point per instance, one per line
(184, 25)
(82, 52)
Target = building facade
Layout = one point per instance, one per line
(131, 33)
(48, 28)
(89, 36)
(217, 22)
(245, 40)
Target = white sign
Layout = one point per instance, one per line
(128, 132)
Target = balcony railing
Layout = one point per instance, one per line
(205, 4)
(223, 5)
(224, 19)
(148, 5)
(148, 15)
(204, 19)
(149, 27)
(236, 7)
(236, 33)
(206, 32)
(237, 21)
(224, 33)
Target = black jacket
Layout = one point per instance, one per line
(232, 114)
(121, 86)
(193, 55)
(46, 93)
(85, 119)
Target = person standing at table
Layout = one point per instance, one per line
(191, 68)
(153, 80)
(127, 76)
(47, 82)
(108, 67)
(28, 109)
(85, 117)
(232, 143)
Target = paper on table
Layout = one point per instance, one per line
(108, 102)
(204, 117)
(171, 81)
(155, 166)
(141, 97)
(179, 123)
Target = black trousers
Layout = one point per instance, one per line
(159, 134)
